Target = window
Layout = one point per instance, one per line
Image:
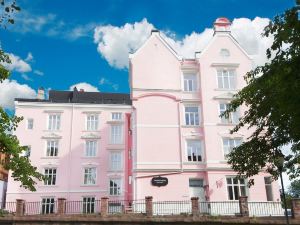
(269, 191)
(54, 122)
(226, 79)
(115, 161)
(224, 53)
(29, 124)
(116, 134)
(52, 148)
(194, 152)
(92, 122)
(233, 116)
(229, 144)
(50, 176)
(90, 175)
(235, 187)
(88, 205)
(90, 148)
(190, 82)
(195, 183)
(116, 116)
(192, 115)
(48, 205)
(115, 186)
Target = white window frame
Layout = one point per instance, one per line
(90, 175)
(192, 116)
(88, 204)
(27, 152)
(116, 116)
(233, 117)
(54, 121)
(239, 186)
(88, 148)
(233, 143)
(30, 124)
(48, 209)
(52, 144)
(115, 190)
(113, 166)
(225, 53)
(116, 138)
(226, 78)
(190, 82)
(192, 149)
(92, 122)
(52, 174)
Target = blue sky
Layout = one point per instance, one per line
(59, 35)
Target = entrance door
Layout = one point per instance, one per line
(196, 189)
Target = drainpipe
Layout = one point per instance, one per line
(180, 137)
(70, 150)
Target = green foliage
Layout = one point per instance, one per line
(20, 167)
(294, 189)
(7, 11)
(272, 98)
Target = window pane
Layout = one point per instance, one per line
(230, 193)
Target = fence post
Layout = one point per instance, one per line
(149, 205)
(61, 206)
(104, 206)
(195, 206)
(296, 208)
(20, 207)
(243, 202)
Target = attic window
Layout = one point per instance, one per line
(224, 53)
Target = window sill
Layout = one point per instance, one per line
(90, 157)
(89, 185)
(191, 126)
(225, 89)
(115, 121)
(190, 92)
(194, 163)
(46, 186)
(53, 131)
(115, 171)
(91, 131)
(50, 157)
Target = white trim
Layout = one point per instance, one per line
(53, 111)
(157, 126)
(92, 112)
(70, 105)
(156, 90)
(158, 163)
(60, 191)
(226, 65)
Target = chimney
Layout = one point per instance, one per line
(41, 93)
(154, 31)
(222, 24)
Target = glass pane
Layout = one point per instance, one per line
(230, 193)
(236, 192)
(243, 191)
(196, 183)
(229, 181)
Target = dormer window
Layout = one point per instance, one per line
(224, 53)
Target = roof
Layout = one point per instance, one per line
(76, 96)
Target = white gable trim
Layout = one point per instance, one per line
(165, 43)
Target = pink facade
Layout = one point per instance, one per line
(78, 149)
(172, 130)
(177, 131)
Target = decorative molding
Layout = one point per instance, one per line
(51, 136)
(53, 111)
(156, 95)
(157, 125)
(225, 96)
(91, 136)
(91, 112)
(225, 65)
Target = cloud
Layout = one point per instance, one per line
(104, 81)
(26, 77)
(114, 43)
(11, 89)
(51, 26)
(29, 57)
(38, 72)
(85, 87)
(17, 64)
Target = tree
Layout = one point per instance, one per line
(272, 98)
(294, 189)
(20, 167)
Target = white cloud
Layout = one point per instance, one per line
(85, 86)
(17, 64)
(104, 81)
(38, 72)
(114, 43)
(26, 77)
(80, 31)
(29, 57)
(11, 89)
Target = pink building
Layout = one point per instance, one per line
(177, 131)
(165, 140)
(79, 140)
